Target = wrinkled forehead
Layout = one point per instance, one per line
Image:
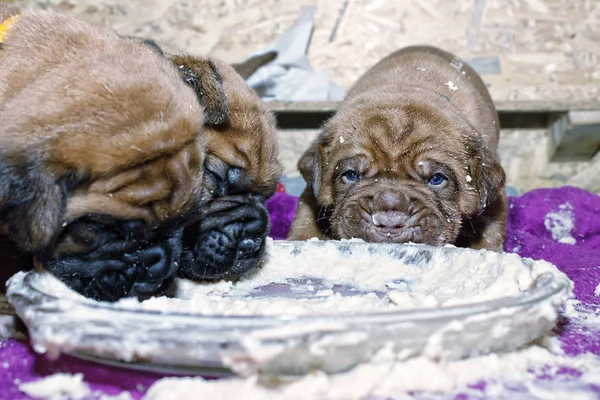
(249, 143)
(389, 133)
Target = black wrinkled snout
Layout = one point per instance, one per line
(107, 260)
(229, 240)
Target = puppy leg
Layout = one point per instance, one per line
(308, 223)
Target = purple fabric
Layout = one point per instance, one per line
(527, 236)
(282, 209)
(19, 363)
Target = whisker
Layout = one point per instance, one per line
(471, 223)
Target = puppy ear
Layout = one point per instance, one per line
(312, 167)
(148, 42)
(249, 66)
(31, 204)
(206, 80)
(488, 176)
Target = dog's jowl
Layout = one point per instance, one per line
(411, 156)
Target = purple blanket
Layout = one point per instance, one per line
(558, 225)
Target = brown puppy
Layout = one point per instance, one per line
(241, 169)
(409, 157)
(101, 153)
(241, 172)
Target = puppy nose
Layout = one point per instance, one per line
(250, 245)
(389, 219)
(156, 259)
(390, 200)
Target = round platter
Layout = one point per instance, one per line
(176, 340)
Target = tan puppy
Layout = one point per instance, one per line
(101, 153)
(241, 169)
(409, 157)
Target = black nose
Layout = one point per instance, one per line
(157, 264)
(250, 245)
(229, 240)
(155, 259)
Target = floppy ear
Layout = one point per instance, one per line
(148, 42)
(249, 66)
(312, 167)
(206, 80)
(31, 204)
(488, 176)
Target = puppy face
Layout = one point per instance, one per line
(241, 172)
(410, 156)
(101, 153)
(389, 170)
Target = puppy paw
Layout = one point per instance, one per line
(228, 241)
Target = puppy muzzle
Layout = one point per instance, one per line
(393, 214)
(228, 241)
(127, 259)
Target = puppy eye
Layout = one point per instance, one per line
(437, 179)
(215, 173)
(350, 176)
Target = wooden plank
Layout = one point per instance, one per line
(574, 136)
(574, 127)
(292, 120)
(513, 115)
(501, 106)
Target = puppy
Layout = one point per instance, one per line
(409, 157)
(101, 153)
(241, 172)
